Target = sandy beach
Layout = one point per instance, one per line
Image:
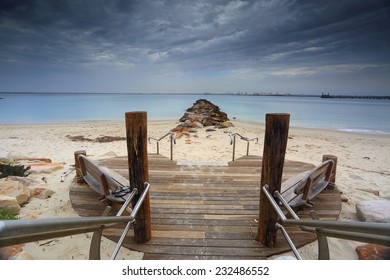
(362, 172)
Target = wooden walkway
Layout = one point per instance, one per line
(206, 212)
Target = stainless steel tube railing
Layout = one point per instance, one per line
(247, 139)
(128, 225)
(173, 141)
(371, 232)
(14, 232)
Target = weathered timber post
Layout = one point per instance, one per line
(171, 136)
(79, 174)
(333, 176)
(275, 143)
(136, 134)
(234, 146)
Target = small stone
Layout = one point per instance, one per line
(42, 193)
(29, 217)
(373, 252)
(374, 192)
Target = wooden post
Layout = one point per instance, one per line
(275, 143)
(79, 174)
(234, 147)
(136, 133)
(333, 176)
(171, 136)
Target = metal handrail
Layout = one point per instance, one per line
(173, 141)
(369, 232)
(14, 232)
(233, 142)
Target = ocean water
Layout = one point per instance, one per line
(354, 115)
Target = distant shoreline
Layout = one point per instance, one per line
(386, 97)
(355, 96)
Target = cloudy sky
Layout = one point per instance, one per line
(285, 46)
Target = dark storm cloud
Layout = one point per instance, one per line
(269, 38)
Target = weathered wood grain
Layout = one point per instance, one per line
(205, 212)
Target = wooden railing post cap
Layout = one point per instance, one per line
(80, 152)
(135, 113)
(277, 114)
(79, 174)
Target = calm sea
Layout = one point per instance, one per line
(360, 115)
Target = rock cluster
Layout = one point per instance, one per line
(203, 113)
(17, 191)
(373, 211)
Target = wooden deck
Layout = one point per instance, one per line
(206, 212)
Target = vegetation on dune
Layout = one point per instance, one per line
(14, 170)
(8, 214)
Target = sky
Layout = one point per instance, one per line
(166, 46)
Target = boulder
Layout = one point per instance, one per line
(15, 189)
(197, 124)
(204, 113)
(226, 125)
(45, 167)
(9, 203)
(373, 211)
(9, 252)
(187, 123)
(373, 252)
(21, 256)
(6, 157)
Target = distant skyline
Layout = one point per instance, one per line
(278, 46)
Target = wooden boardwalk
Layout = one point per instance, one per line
(206, 212)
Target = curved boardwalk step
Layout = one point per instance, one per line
(206, 212)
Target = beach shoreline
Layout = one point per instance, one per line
(362, 172)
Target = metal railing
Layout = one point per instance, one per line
(14, 232)
(369, 232)
(247, 139)
(173, 141)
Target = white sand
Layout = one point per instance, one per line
(363, 166)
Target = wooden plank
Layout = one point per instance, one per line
(192, 219)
